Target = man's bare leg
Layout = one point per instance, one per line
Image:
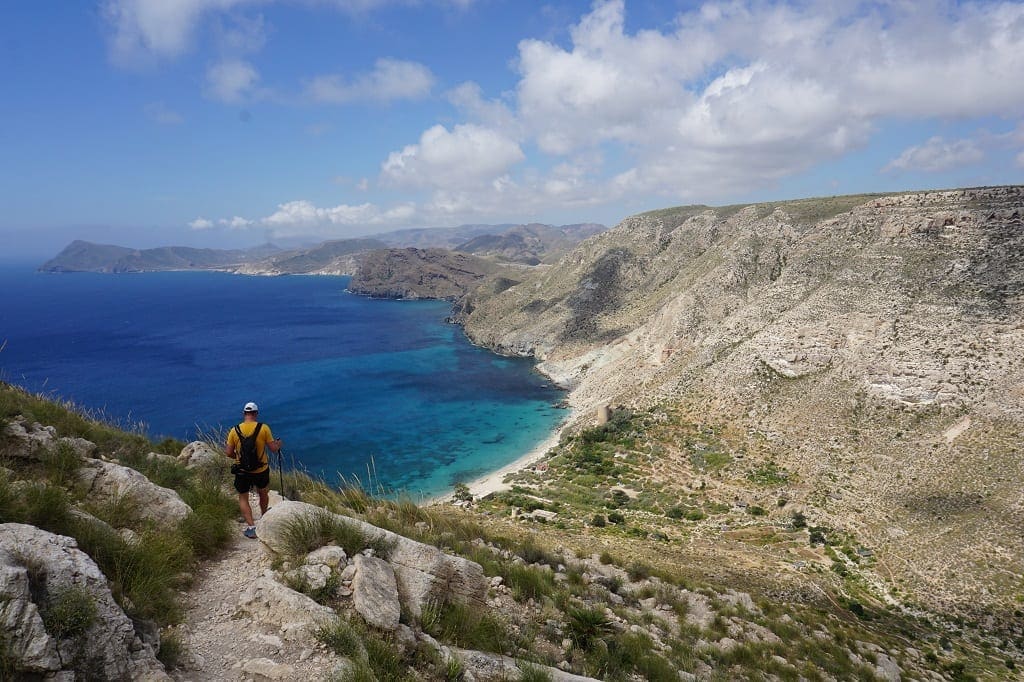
(264, 499)
(243, 505)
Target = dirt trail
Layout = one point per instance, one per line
(221, 645)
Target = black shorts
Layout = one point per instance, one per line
(245, 482)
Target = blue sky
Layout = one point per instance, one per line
(230, 122)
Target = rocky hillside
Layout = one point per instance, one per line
(531, 244)
(425, 273)
(866, 347)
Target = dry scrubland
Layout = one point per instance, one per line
(619, 585)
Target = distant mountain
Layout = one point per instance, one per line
(531, 244)
(82, 256)
(527, 244)
(337, 257)
(438, 237)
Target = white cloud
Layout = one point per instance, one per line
(390, 79)
(467, 156)
(160, 113)
(201, 223)
(305, 218)
(235, 222)
(739, 94)
(231, 80)
(164, 29)
(937, 154)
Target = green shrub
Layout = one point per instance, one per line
(172, 650)
(342, 639)
(60, 464)
(466, 627)
(586, 625)
(754, 510)
(598, 521)
(302, 534)
(531, 673)
(616, 517)
(528, 583)
(607, 559)
(69, 613)
(638, 571)
(675, 512)
(798, 521)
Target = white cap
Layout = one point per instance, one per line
(250, 407)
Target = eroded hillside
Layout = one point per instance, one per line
(868, 345)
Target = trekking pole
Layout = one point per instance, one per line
(280, 468)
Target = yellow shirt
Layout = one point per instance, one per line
(264, 437)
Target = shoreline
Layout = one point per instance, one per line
(494, 482)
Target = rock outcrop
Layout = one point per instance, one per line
(98, 641)
(106, 481)
(200, 454)
(269, 602)
(423, 573)
(375, 593)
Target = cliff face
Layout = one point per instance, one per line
(871, 344)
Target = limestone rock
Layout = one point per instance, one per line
(28, 440)
(54, 564)
(264, 667)
(329, 555)
(81, 447)
(198, 454)
(108, 481)
(487, 667)
(423, 572)
(375, 593)
(268, 601)
(313, 576)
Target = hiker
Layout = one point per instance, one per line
(247, 444)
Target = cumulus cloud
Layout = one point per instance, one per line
(937, 154)
(235, 222)
(739, 94)
(304, 217)
(201, 223)
(390, 79)
(466, 156)
(231, 80)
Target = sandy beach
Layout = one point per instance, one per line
(494, 482)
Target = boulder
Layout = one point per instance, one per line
(375, 593)
(312, 576)
(271, 603)
(105, 481)
(85, 449)
(35, 566)
(329, 555)
(27, 441)
(486, 667)
(198, 454)
(423, 573)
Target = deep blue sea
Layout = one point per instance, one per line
(383, 391)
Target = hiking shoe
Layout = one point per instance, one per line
(250, 532)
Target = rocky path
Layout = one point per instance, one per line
(222, 644)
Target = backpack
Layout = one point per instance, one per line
(248, 456)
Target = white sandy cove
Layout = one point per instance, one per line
(495, 481)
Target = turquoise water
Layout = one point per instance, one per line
(384, 391)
